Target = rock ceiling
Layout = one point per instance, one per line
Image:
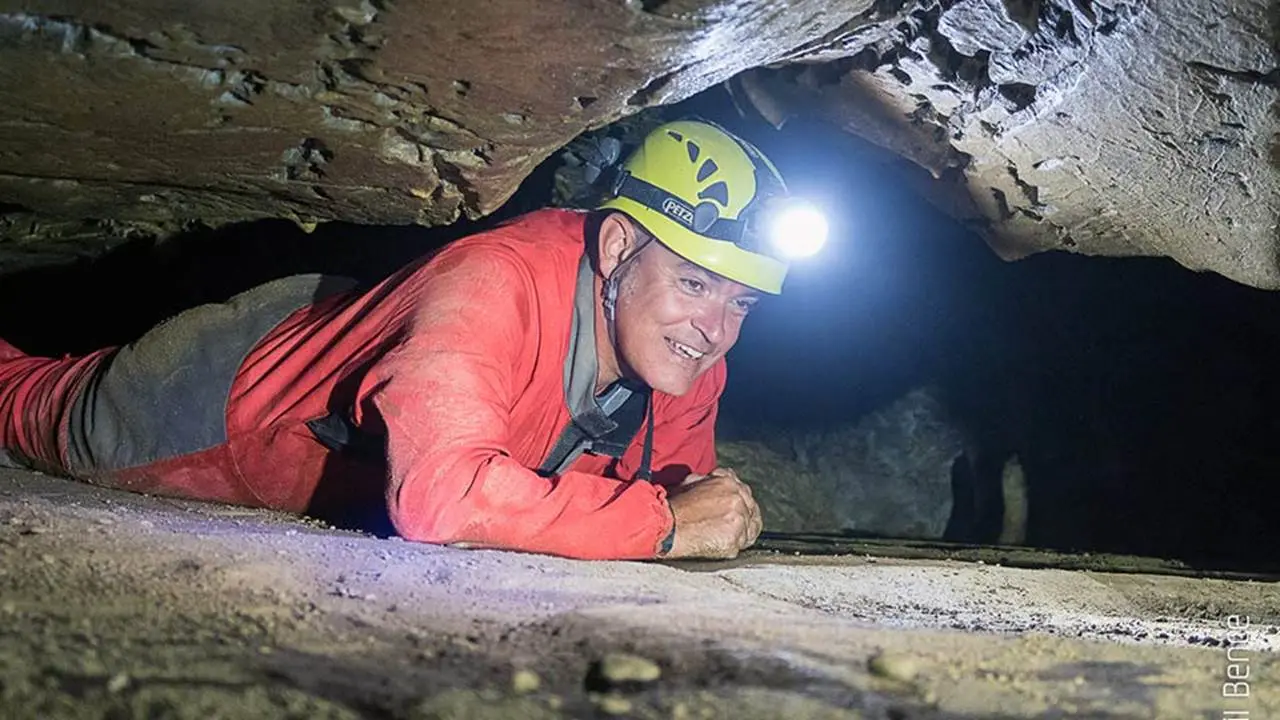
(1118, 128)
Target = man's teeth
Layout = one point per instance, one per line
(686, 350)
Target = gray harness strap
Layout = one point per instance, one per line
(603, 425)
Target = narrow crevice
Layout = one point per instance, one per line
(1270, 78)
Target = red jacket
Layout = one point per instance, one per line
(460, 360)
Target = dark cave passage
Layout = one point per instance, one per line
(1138, 396)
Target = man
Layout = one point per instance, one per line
(547, 386)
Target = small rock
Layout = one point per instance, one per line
(893, 666)
(620, 668)
(525, 681)
(615, 705)
(9, 608)
(118, 683)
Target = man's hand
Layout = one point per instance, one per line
(715, 516)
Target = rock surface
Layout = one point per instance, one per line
(378, 112)
(1111, 128)
(890, 474)
(122, 606)
(1118, 128)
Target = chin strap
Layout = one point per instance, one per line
(605, 423)
(646, 454)
(610, 303)
(609, 293)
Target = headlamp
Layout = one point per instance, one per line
(780, 226)
(789, 228)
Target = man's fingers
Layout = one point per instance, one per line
(718, 512)
(692, 478)
(725, 473)
(757, 522)
(752, 523)
(751, 526)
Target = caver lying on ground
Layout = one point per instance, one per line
(550, 385)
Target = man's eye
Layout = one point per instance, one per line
(692, 285)
(744, 306)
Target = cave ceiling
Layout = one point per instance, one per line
(1107, 128)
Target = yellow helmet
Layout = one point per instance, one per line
(702, 192)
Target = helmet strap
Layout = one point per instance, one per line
(610, 299)
(609, 291)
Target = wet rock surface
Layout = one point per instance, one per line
(125, 606)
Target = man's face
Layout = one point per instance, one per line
(674, 319)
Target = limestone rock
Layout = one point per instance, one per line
(623, 670)
(1109, 128)
(418, 111)
(1115, 127)
(525, 681)
(893, 666)
(890, 474)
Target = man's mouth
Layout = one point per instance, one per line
(683, 350)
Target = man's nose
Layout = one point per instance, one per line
(710, 321)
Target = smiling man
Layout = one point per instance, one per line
(547, 386)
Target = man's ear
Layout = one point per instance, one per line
(618, 241)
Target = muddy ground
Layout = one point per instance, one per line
(121, 606)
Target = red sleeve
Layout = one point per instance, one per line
(444, 395)
(684, 434)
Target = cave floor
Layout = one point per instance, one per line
(122, 606)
